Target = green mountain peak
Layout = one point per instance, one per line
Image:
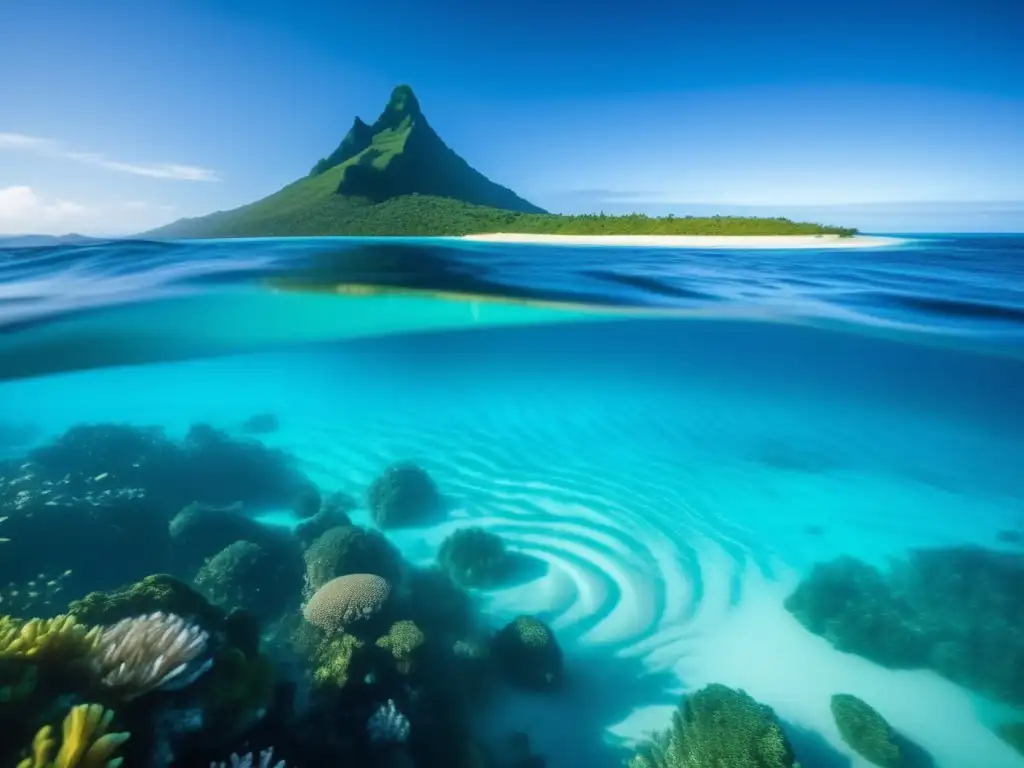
(403, 102)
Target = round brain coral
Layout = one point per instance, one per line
(347, 600)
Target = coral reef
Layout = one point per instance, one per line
(528, 654)
(866, 731)
(475, 557)
(953, 610)
(350, 549)
(199, 531)
(403, 495)
(715, 727)
(85, 742)
(236, 692)
(246, 575)
(346, 601)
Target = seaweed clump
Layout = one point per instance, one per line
(719, 726)
(866, 731)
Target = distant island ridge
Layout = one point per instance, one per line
(397, 177)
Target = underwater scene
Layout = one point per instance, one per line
(404, 502)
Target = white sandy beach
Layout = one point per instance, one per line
(692, 241)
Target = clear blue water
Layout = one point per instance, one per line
(678, 435)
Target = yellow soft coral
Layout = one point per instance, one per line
(85, 743)
(58, 639)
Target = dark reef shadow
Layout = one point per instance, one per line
(794, 457)
(600, 691)
(522, 569)
(813, 749)
(914, 755)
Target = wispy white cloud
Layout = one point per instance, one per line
(52, 148)
(23, 211)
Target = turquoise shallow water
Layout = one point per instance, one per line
(675, 477)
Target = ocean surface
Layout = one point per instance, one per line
(676, 437)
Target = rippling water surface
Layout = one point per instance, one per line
(677, 436)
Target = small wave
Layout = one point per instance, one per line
(965, 289)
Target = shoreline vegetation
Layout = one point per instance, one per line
(398, 178)
(417, 215)
(690, 241)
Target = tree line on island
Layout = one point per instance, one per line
(398, 178)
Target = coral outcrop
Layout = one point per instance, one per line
(403, 495)
(866, 731)
(528, 654)
(475, 557)
(718, 726)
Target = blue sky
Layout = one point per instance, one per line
(116, 116)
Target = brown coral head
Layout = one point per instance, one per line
(346, 600)
(142, 653)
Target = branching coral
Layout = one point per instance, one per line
(85, 742)
(265, 760)
(143, 653)
(58, 639)
(403, 640)
(334, 660)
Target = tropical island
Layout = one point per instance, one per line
(397, 177)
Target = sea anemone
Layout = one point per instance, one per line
(143, 653)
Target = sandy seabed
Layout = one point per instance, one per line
(692, 241)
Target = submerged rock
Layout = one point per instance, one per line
(350, 549)
(528, 655)
(262, 580)
(403, 495)
(475, 557)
